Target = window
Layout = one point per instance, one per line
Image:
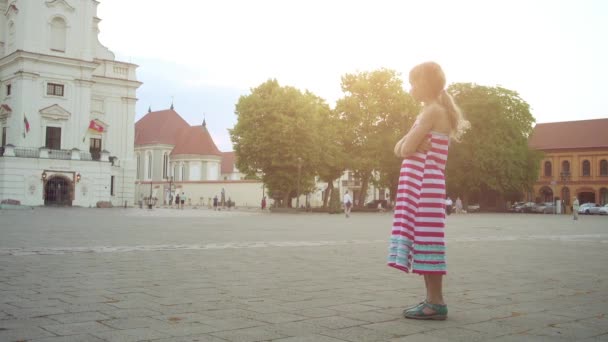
(3, 136)
(183, 172)
(112, 185)
(54, 89)
(586, 168)
(547, 169)
(95, 148)
(175, 172)
(566, 166)
(58, 33)
(11, 36)
(138, 175)
(8, 89)
(53, 138)
(165, 165)
(149, 164)
(603, 167)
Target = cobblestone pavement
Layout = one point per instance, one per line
(199, 275)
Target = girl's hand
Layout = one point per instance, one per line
(424, 146)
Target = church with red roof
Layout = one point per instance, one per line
(169, 151)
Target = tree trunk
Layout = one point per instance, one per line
(327, 193)
(363, 193)
(286, 200)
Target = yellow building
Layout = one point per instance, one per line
(575, 161)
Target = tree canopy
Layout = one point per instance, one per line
(494, 153)
(277, 137)
(376, 112)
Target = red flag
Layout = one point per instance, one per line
(27, 124)
(94, 126)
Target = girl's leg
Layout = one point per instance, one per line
(435, 289)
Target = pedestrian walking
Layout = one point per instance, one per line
(417, 243)
(575, 207)
(458, 205)
(448, 206)
(215, 202)
(182, 199)
(263, 202)
(177, 200)
(348, 203)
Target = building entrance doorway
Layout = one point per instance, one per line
(58, 191)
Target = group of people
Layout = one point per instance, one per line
(180, 200)
(450, 206)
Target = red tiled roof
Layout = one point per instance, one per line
(195, 140)
(228, 161)
(160, 127)
(570, 134)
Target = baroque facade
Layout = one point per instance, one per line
(67, 107)
(575, 161)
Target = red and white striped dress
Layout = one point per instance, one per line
(417, 242)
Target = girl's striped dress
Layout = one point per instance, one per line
(417, 240)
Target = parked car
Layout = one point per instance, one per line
(549, 208)
(539, 208)
(471, 208)
(604, 210)
(589, 209)
(525, 207)
(513, 207)
(374, 204)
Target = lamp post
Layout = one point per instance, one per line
(565, 176)
(298, 191)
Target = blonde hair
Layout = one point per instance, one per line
(430, 79)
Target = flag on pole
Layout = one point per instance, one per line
(26, 125)
(95, 127)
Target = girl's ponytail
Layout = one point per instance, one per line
(458, 123)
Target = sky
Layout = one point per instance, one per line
(203, 55)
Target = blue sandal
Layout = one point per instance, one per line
(440, 312)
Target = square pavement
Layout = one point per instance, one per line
(163, 275)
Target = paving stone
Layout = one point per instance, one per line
(311, 276)
(70, 338)
(248, 335)
(22, 334)
(130, 335)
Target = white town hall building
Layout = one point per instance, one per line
(67, 107)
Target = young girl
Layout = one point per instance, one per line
(417, 241)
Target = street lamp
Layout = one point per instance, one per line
(298, 191)
(565, 176)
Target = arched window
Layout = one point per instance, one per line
(566, 166)
(604, 167)
(11, 36)
(138, 174)
(149, 164)
(183, 172)
(586, 168)
(548, 169)
(175, 172)
(165, 165)
(58, 33)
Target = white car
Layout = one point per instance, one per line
(604, 210)
(589, 208)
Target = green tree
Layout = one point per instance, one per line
(494, 155)
(276, 132)
(375, 112)
(332, 157)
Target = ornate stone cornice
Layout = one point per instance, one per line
(61, 4)
(55, 112)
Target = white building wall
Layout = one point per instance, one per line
(95, 87)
